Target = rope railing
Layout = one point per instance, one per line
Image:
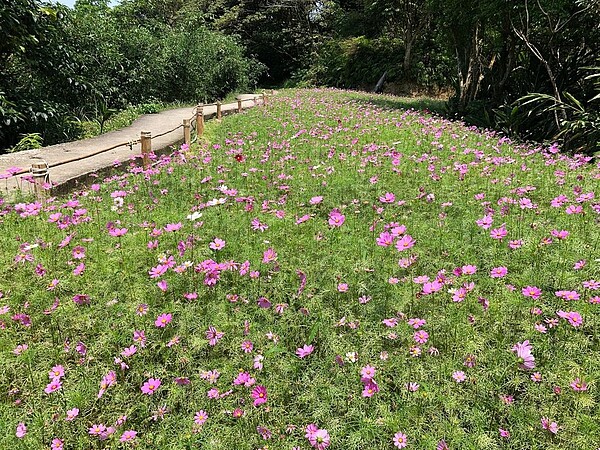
(41, 171)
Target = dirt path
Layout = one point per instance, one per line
(67, 174)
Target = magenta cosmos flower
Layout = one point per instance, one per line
(533, 292)
(303, 352)
(259, 394)
(151, 386)
(162, 320)
(336, 218)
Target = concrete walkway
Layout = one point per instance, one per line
(66, 175)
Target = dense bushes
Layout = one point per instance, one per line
(359, 62)
(75, 64)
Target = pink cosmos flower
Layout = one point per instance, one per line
(162, 285)
(533, 292)
(172, 227)
(367, 373)
(504, 433)
(263, 302)
(128, 436)
(97, 429)
(536, 377)
(385, 239)
(129, 351)
(498, 272)
(370, 388)
(485, 222)
(468, 269)
(336, 218)
(318, 438)
(432, 287)
(213, 335)
(259, 394)
(53, 386)
(163, 320)
(405, 242)
(304, 351)
(442, 445)
(416, 323)
(552, 427)
(459, 295)
(388, 197)
(499, 233)
(56, 372)
(217, 244)
(78, 252)
(71, 414)
(400, 440)
(391, 322)
(81, 299)
(342, 287)
(139, 336)
(578, 386)
(21, 430)
(57, 444)
(523, 351)
(459, 376)
(316, 200)
(117, 232)
(269, 255)
(151, 386)
(201, 417)
(421, 337)
(573, 317)
(245, 379)
(247, 346)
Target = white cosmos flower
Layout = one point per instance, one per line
(194, 216)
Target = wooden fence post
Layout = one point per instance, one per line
(187, 134)
(264, 98)
(219, 114)
(39, 171)
(199, 120)
(239, 105)
(146, 143)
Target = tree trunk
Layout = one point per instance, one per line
(408, 45)
(469, 83)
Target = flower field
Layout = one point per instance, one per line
(325, 271)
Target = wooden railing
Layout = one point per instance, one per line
(40, 171)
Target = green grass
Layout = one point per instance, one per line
(267, 163)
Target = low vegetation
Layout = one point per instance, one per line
(319, 272)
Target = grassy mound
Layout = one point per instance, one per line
(324, 272)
